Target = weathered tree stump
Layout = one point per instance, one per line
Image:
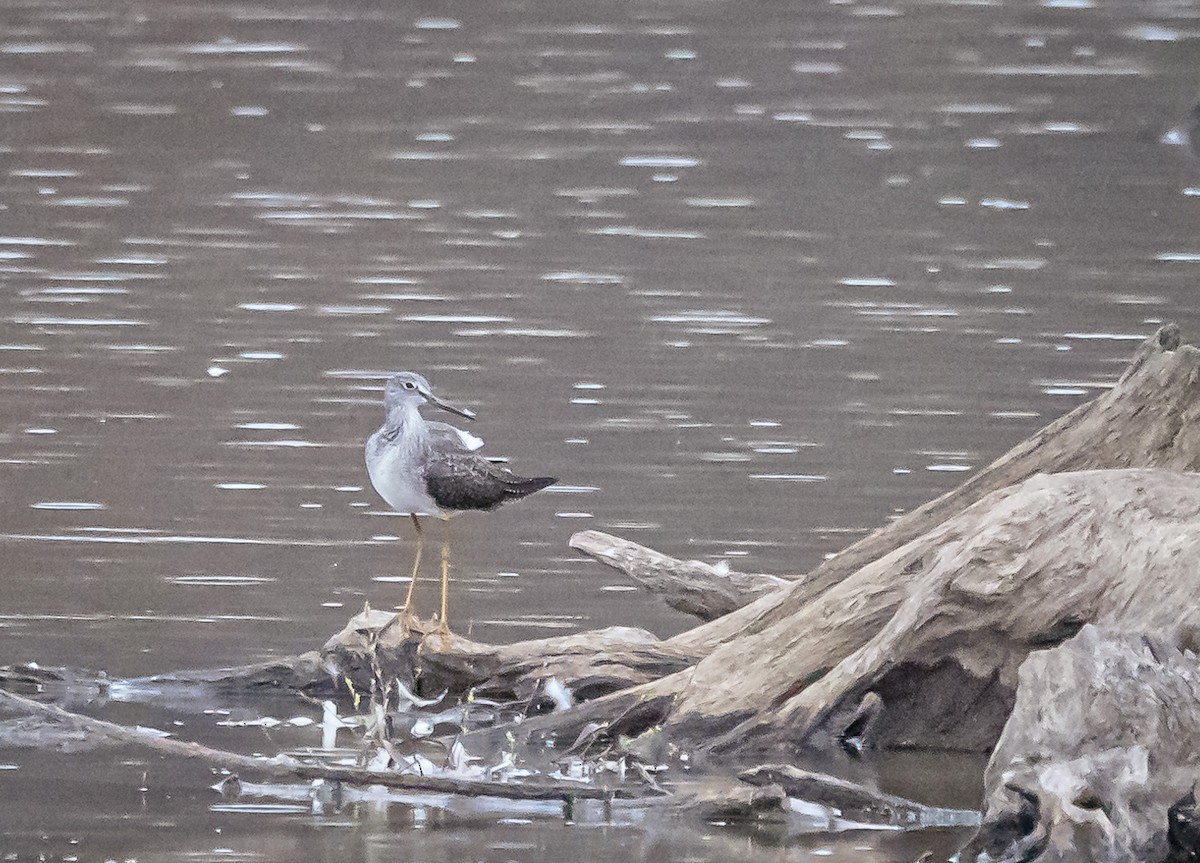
(937, 628)
(1102, 744)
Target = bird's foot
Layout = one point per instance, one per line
(405, 619)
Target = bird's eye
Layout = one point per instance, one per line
(409, 385)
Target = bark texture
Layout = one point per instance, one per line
(937, 628)
(1100, 750)
(690, 586)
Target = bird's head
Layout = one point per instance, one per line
(408, 388)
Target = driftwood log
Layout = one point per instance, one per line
(744, 661)
(938, 627)
(931, 614)
(754, 685)
(1100, 751)
(928, 639)
(592, 663)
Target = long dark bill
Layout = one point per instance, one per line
(446, 406)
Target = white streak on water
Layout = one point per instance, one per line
(47, 321)
(219, 580)
(789, 477)
(867, 282)
(652, 161)
(1116, 337)
(436, 24)
(270, 307)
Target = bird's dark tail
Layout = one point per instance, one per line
(519, 486)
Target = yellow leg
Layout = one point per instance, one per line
(412, 582)
(444, 626)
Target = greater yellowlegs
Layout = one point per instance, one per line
(420, 467)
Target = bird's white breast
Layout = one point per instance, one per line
(402, 488)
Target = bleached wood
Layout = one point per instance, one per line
(1102, 742)
(1023, 568)
(690, 586)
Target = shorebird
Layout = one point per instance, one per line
(421, 467)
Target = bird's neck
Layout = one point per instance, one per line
(405, 418)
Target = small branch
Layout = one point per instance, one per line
(690, 586)
(282, 767)
(722, 799)
(853, 801)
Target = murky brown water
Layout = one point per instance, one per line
(749, 279)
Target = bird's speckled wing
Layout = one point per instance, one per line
(463, 480)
